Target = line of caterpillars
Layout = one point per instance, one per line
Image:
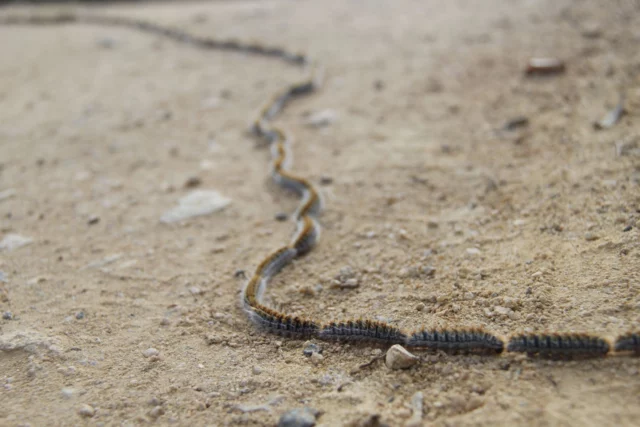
(308, 229)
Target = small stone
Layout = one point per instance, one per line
(80, 315)
(322, 118)
(326, 180)
(420, 306)
(281, 216)
(192, 182)
(589, 236)
(156, 412)
(428, 270)
(591, 30)
(67, 393)
(399, 358)
(7, 315)
(106, 43)
(194, 290)
(473, 251)
(257, 370)
(150, 352)
(86, 411)
(351, 283)
(519, 222)
(14, 241)
(316, 358)
(299, 417)
(516, 122)
(627, 228)
(504, 311)
(310, 348)
(537, 274)
(93, 220)
(197, 203)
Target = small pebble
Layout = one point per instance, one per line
(257, 370)
(326, 180)
(299, 417)
(310, 348)
(80, 315)
(156, 412)
(420, 306)
(316, 358)
(501, 310)
(150, 352)
(192, 182)
(516, 123)
(12, 242)
(322, 118)
(86, 411)
(67, 393)
(590, 237)
(544, 66)
(473, 251)
(281, 216)
(627, 228)
(7, 315)
(351, 283)
(194, 290)
(399, 358)
(93, 220)
(428, 270)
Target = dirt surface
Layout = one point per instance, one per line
(444, 217)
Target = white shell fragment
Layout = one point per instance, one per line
(196, 203)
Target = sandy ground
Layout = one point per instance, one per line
(100, 129)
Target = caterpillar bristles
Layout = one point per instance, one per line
(465, 340)
(628, 342)
(362, 330)
(306, 236)
(282, 324)
(559, 345)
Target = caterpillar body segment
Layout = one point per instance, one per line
(560, 345)
(362, 330)
(469, 340)
(628, 342)
(283, 324)
(306, 236)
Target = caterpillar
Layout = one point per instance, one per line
(472, 340)
(556, 344)
(308, 228)
(363, 330)
(628, 342)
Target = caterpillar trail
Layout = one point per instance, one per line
(308, 228)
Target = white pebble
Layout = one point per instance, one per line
(473, 251)
(150, 352)
(399, 358)
(14, 241)
(322, 118)
(316, 358)
(196, 203)
(86, 411)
